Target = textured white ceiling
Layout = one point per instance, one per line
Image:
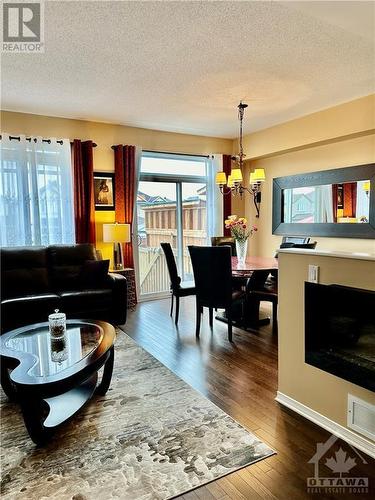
(184, 66)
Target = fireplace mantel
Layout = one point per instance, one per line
(331, 253)
(319, 396)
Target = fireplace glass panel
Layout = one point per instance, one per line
(340, 332)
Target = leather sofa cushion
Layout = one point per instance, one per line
(23, 271)
(80, 302)
(36, 308)
(65, 263)
(94, 273)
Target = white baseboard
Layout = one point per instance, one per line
(338, 430)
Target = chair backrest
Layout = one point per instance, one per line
(171, 264)
(310, 245)
(298, 240)
(212, 267)
(219, 241)
(307, 246)
(257, 280)
(298, 243)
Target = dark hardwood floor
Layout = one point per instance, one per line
(241, 378)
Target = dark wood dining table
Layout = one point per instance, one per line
(256, 268)
(253, 264)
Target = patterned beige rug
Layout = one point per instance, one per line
(151, 437)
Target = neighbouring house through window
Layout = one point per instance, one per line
(171, 208)
(36, 194)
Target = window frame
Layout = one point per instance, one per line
(178, 180)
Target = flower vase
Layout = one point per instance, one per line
(241, 250)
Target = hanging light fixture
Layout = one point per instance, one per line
(233, 185)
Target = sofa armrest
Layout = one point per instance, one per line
(119, 286)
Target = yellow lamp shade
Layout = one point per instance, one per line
(366, 186)
(259, 175)
(252, 180)
(221, 178)
(236, 175)
(230, 181)
(114, 233)
(339, 213)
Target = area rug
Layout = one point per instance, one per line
(151, 437)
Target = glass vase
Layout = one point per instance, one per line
(241, 250)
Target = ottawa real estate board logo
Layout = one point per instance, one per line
(341, 464)
(23, 26)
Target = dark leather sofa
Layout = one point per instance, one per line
(37, 280)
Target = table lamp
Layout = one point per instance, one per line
(117, 234)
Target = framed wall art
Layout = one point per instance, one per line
(104, 190)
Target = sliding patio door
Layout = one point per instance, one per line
(171, 208)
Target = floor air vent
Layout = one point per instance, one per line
(361, 416)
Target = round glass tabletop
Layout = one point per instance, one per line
(53, 355)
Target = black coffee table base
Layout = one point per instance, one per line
(48, 402)
(42, 415)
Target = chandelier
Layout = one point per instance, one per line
(233, 184)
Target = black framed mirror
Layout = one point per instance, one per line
(337, 203)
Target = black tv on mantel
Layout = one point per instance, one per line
(340, 332)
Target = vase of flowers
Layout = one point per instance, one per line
(240, 232)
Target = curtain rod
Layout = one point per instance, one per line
(177, 154)
(169, 153)
(15, 138)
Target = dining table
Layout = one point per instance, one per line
(253, 264)
(256, 270)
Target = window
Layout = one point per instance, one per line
(171, 207)
(36, 193)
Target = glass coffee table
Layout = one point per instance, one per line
(52, 378)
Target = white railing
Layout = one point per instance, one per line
(153, 270)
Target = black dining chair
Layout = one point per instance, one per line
(291, 242)
(267, 291)
(178, 288)
(219, 241)
(212, 267)
(260, 289)
(296, 240)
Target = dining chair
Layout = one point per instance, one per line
(307, 246)
(262, 291)
(268, 290)
(212, 268)
(219, 241)
(178, 288)
(297, 240)
(287, 242)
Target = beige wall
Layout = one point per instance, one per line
(105, 135)
(324, 393)
(348, 119)
(337, 137)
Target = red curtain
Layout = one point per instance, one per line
(83, 189)
(350, 199)
(334, 201)
(227, 199)
(124, 192)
